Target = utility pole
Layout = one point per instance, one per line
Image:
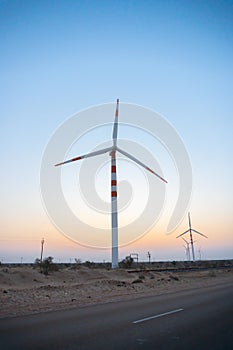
(42, 249)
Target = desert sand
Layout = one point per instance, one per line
(24, 290)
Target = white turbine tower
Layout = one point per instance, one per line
(112, 152)
(191, 236)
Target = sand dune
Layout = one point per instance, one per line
(24, 290)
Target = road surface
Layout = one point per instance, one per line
(194, 319)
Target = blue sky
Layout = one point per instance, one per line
(58, 57)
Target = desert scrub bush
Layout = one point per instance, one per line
(211, 274)
(89, 264)
(175, 278)
(46, 265)
(141, 276)
(127, 262)
(138, 280)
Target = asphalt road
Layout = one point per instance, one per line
(195, 319)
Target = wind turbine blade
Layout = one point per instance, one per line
(199, 233)
(183, 233)
(140, 163)
(115, 127)
(91, 154)
(189, 220)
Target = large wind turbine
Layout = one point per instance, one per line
(112, 152)
(191, 236)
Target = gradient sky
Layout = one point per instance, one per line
(59, 57)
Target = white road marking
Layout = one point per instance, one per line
(157, 316)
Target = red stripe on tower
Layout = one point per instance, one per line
(113, 168)
(113, 182)
(114, 193)
(116, 114)
(77, 158)
(150, 170)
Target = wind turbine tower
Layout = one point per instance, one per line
(191, 236)
(112, 152)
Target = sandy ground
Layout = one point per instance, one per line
(24, 290)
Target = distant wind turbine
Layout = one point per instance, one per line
(187, 250)
(112, 152)
(191, 236)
